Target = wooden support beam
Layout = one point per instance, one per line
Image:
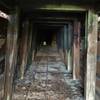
(63, 7)
(66, 44)
(51, 22)
(34, 39)
(76, 51)
(30, 43)
(91, 56)
(24, 47)
(43, 25)
(70, 63)
(57, 18)
(11, 55)
(62, 43)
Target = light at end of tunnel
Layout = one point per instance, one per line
(44, 43)
(98, 19)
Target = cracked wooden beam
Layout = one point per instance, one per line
(76, 50)
(66, 45)
(91, 55)
(11, 55)
(30, 43)
(70, 62)
(24, 48)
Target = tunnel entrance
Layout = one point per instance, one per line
(47, 36)
(61, 30)
(50, 50)
(57, 48)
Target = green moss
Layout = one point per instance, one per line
(63, 7)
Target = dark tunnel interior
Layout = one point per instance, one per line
(54, 30)
(49, 50)
(47, 35)
(50, 24)
(49, 27)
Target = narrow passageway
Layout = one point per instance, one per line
(49, 50)
(48, 79)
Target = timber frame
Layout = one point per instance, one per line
(91, 50)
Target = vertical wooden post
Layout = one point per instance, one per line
(76, 51)
(24, 46)
(65, 44)
(34, 36)
(30, 43)
(91, 56)
(69, 48)
(62, 43)
(11, 55)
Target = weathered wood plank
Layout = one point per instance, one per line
(34, 36)
(62, 43)
(30, 44)
(11, 55)
(91, 56)
(63, 7)
(65, 45)
(70, 61)
(24, 46)
(76, 51)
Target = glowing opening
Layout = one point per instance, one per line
(44, 43)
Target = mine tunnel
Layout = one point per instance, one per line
(49, 50)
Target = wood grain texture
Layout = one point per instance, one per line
(24, 50)
(91, 56)
(76, 50)
(11, 55)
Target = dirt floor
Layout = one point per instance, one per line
(48, 79)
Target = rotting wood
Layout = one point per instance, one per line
(30, 43)
(24, 48)
(62, 43)
(70, 48)
(91, 56)
(11, 55)
(76, 51)
(65, 58)
(34, 36)
(62, 7)
(65, 44)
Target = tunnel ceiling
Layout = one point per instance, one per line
(30, 5)
(55, 17)
(49, 27)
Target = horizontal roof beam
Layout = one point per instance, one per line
(54, 7)
(63, 8)
(50, 25)
(52, 22)
(56, 18)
